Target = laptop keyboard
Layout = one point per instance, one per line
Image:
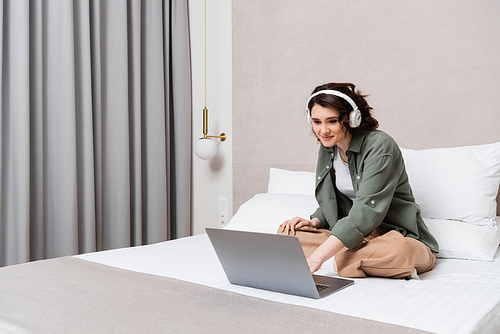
(321, 287)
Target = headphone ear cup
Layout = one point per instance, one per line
(355, 118)
(309, 117)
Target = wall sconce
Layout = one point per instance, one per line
(205, 148)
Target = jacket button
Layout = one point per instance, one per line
(373, 202)
(319, 177)
(358, 177)
(327, 167)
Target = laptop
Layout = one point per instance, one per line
(273, 262)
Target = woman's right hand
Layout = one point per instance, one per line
(289, 226)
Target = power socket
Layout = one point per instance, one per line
(222, 211)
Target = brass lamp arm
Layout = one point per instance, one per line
(222, 136)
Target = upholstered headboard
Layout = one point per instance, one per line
(431, 69)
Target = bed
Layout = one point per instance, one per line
(179, 285)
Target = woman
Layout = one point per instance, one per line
(367, 216)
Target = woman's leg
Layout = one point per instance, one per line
(389, 255)
(310, 238)
(425, 259)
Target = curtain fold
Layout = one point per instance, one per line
(180, 89)
(95, 126)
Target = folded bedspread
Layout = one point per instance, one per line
(71, 295)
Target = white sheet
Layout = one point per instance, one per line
(457, 296)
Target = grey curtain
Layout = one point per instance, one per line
(95, 125)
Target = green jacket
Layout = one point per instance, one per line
(384, 199)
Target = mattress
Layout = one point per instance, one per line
(457, 296)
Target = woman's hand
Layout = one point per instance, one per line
(290, 226)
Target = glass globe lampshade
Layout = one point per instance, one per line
(205, 148)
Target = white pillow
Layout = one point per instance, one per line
(456, 183)
(458, 240)
(265, 212)
(289, 182)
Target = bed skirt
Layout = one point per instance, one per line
(71, 295)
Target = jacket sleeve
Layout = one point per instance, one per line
(319, 214)
(375, 186)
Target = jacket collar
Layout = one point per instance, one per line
(356, 142)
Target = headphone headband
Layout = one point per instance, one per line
(332, 92)
(354, 116)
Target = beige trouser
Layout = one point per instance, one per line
(389, 255)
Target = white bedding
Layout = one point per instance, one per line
(460, 295)
(457, 296)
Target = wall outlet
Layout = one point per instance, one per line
(223, 211)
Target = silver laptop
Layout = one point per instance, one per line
(272, 262)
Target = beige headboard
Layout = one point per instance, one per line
(431, 68)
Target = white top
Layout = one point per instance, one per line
(343, 176)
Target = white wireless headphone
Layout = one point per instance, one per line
(354, 115)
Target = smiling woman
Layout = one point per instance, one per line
(328, 129)
(347, 101)
(367, 216)
(335, 116)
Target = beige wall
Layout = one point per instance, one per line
(431, 68)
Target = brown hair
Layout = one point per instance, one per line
(368, 123)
